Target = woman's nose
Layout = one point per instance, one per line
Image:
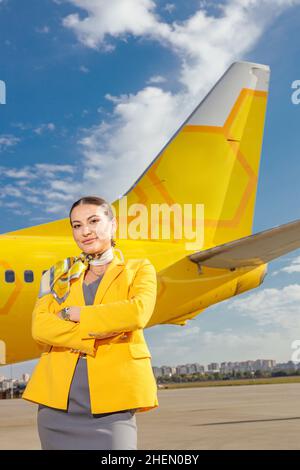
(86, 230)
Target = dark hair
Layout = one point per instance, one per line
(97, 201)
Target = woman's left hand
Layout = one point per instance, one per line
(74, 313)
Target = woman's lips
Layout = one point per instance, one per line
(89, 241)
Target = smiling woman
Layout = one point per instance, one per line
(98, 372)
(93, 224)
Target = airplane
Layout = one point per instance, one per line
(213, 159)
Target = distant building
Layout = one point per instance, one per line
(182, 369)
(247, 366)
(264, 364)
(5, 384)
(195, 368)
(287, 366)
(156, 371)
(166, 370)
(213, 367)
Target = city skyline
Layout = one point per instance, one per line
(154, 366)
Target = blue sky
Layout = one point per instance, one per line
(74, 71)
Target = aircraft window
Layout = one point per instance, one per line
(28, 276)
(9, 275)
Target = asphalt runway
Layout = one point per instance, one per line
(236, 417)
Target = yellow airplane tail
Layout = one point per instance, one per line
(213, 159)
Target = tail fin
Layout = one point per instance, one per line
(214, 157)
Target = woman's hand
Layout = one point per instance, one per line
(74, 313)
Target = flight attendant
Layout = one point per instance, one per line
(95, 370)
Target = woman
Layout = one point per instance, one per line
(90, 314)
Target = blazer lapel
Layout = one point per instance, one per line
(114, 268)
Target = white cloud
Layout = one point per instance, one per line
(266, 325)
(293, 267)
(59, 192)
(191, 332)
(44, 127)
(48, 167)
(21, 125)
(272, 307)
(139, 133)
(114, 18)
(83, 69)
(193, 344)
(118, 149)
(156, 79)
(43, 30)
(16, 173)
(169, 7)
(7, 140)
(201, 40)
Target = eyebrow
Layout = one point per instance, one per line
(95, 215)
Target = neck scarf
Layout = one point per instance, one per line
(57, 279)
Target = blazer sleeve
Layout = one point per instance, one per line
(48, 328)
(123, 315)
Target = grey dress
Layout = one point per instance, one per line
(76, 428)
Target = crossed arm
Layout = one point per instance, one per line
(97, 321)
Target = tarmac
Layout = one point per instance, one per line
(229, 417)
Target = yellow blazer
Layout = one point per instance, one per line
(119, 367)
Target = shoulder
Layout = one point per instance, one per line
(136, 263)
(141, 268)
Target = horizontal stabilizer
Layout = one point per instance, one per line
(253, 250)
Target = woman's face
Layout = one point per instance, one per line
(92, 229)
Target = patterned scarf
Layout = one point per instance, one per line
(57, 279)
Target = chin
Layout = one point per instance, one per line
(92, 249)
